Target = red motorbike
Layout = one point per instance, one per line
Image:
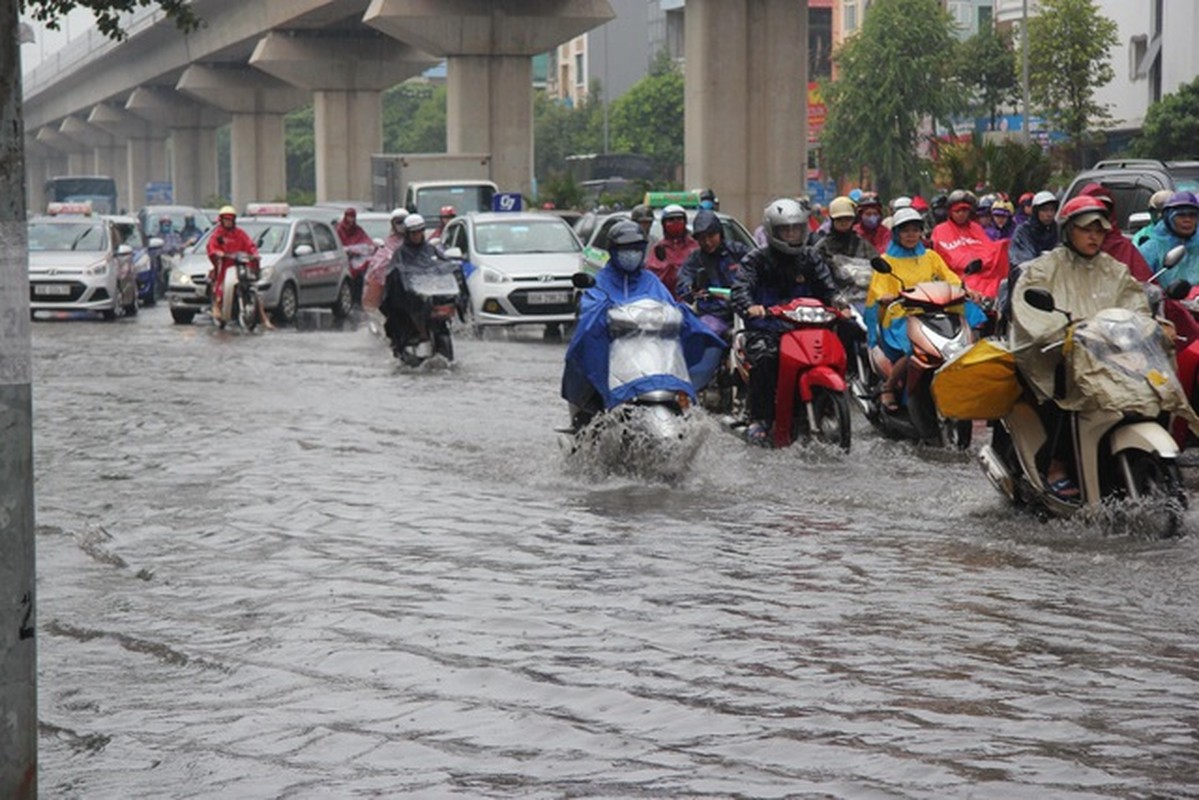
(811, 396)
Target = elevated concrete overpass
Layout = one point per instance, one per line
(148, 108)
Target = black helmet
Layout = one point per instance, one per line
(940, 201)
(706, 222)
(962, 196)
(641, 211)
(625, 234)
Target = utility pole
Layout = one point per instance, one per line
(1026, 127)
(18, 647)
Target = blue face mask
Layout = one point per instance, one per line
(628, 259)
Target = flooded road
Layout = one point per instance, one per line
(278, 566)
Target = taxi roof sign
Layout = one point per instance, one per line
(267, 209)
(662, 199)
(74, 209)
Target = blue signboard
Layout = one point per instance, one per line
(507, 201)
(159, 193)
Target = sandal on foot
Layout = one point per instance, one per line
(1064, 489)
(886, 399)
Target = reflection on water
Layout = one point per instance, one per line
(276, 566)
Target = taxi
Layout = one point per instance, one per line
(302, 265)
(78, 261)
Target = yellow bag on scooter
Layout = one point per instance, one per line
(979, 384)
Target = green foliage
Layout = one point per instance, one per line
(108, 13)
(891, 75)
(300, 146)
(560, 130)
(1069, 57)
(648, 118)
(1171, 128)
(414, 119)
(1010, 166)
(986, 67)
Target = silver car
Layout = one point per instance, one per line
(79, 263)
(303, 264)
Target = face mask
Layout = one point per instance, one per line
(627, 259)
(674, 228)
(871, 221)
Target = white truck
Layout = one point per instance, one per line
(425, 182)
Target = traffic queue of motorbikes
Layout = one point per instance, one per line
(923, 361)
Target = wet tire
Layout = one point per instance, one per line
(831, 411)
(289, 303)
(957, 433)
(344, 303)
(443, 345)
(182, 317)
(246, 313)
(109, 314)
(1159, 483)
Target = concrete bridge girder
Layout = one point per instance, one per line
(257, 103)
(191, 147)
(489, 47)
(347, 74)
(145, 148)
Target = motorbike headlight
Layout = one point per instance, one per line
(494, 276)
(954, 348)
(99, 268)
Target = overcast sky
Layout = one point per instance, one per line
(47, 42)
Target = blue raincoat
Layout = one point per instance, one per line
(587, 356)
(1160, 240)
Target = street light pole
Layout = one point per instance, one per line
(18, 648)
(1024, 73)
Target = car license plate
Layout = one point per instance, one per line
(548, 298)
(51, 288)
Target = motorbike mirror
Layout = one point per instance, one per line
(303, 250)
(1039, 299)
(124, 250)
(1178, 290)
(1175, 256)
(453, 252)
(378, 242)
(974, 267)
(155, 242)
(581, 280)
(880, 265)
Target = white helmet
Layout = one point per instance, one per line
(903, 201)
(906, 215)
(1041, 198)
(414, 222)
(783, 211)
(398, 213)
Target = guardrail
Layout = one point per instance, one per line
(83, 49)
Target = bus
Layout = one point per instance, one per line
(100, 190)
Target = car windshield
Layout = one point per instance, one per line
(151, 220)
(82, 236)
(269, 237)
(550, 236)
(430, 199)
(376, 228)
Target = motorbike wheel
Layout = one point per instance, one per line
(1160, 484)
(345, 301)
(443, 345)
(957, 433)
(182, 317)
(831, 411)
(248, 311)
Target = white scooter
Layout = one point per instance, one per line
(239, 295)
(1117, 455)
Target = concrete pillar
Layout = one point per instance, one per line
(257, 103)
(745, 117)
(54, 149)
(86, 138)
(142, 141)
(489, 47)
(108, 155)
(189, 159)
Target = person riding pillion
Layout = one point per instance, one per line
(781, 271)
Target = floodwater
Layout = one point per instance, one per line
(279, 566)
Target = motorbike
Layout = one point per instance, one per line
(422, 300)
(650, 432)
(811, 392)
(1187, 352)
(938, 332)
(1119, 454)
(239, 295)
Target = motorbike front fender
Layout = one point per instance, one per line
(1147, 436)
(823, 377)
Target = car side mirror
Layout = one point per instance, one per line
(1039, 299)
(880, 265)
(1175, 256)
(378, 242)
(581, 280)
(453, 252)
(124, 250)
(303, 250)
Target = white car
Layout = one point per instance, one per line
(77, 262)
(517, 266)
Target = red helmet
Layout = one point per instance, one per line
(1083, 210)
(448, 211)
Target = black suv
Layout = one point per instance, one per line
(1133, 181)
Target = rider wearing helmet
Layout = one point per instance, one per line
(376, 270)
(1156, 202)
(710, 266)
(403, 310)
(644, 217)
(622, 280)
(444, 217)
(708, 200)
(870, 222)
(1036, 236)
(939, 208)
(911, 263)
(190, 233)
(359, 248)
(961, 241)
(1115, 243)
(1176, 227)
(225, 243)
(1001, 225)
(667, 256)
(1023, 209)
(172, 242)
(841, 239)
(1083, 280)
(781, 271)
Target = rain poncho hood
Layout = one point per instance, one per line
(588, 355)
(1161, 240)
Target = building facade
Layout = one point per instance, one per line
(615, 55)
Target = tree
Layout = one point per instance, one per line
(18, 620)
(1171, 129)
(648, 118)
(986, 67)
(561, 130)
(891, 75)
(1069, 57)
(299, 136)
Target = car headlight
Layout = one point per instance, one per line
(266, 273)
(493, 275)
(181, 279)
(100, 268)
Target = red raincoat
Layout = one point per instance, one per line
(958, 245)
(675, 252)
(229, 242)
